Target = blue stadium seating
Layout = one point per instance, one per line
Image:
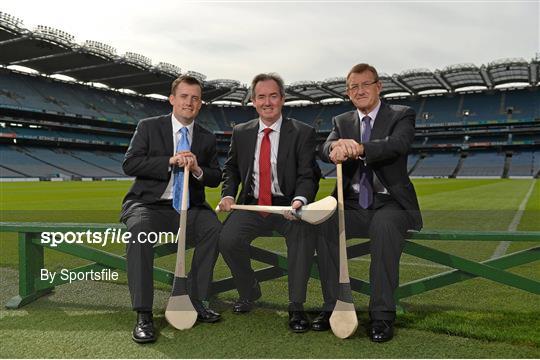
(482, 164)
(437, 165)
(524, 103)
(33, 161)
(46, 95)
(307, 114)
(441, 109)
(19, 159)
(484, 106)
(522, 163)
(23, 95)
(5, 173)
(42, 94)
(412, 159)
(66, 136)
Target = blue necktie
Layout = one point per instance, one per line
(365, 197)
(178, 181)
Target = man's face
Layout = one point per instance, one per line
(186, 102)
(364, 91)
(268, 100)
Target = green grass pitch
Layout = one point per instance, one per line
(476, 318)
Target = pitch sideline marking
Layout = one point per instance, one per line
(503, 245)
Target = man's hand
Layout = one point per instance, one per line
(297, 204)
(193, 165)
(177, 160)
(226, 203)
(186, 159)
(337, 155)
(344, 149)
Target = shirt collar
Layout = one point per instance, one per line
(372, 114)
(275, 126)
(176, 125)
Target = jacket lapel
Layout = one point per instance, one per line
(167, 134)
(356, 126)
(250, 143)
(283, 149)
(196, 140)
(381, 123)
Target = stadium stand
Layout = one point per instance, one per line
(18, 159)
(5, 173)
(440, 109)
(58, 128)
(522, 163)
(412, 162)
(437, 165)
(100, 160)
(484, 106)
(488, 164)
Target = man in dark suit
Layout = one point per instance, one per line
(153, 202)
(372, 142)
(273, 159)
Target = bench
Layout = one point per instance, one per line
(31, 260)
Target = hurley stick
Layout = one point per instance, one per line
(180, 312)
(314, 213)
(343, 320)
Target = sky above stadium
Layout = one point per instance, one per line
(301, 40)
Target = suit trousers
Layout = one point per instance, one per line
(202, 232)
(385, 224)
(242, 227)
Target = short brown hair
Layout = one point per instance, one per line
(188, 79)
(268, 76)
(360, 68)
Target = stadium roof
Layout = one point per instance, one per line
(54, 52)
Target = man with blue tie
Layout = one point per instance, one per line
(380, 202)
(161, 148)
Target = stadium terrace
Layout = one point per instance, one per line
(472, 121)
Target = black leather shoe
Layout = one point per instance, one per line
(381, 330)
(205, 314)
(322, 321)
(144, 328)
(242, 306)
(298, 321)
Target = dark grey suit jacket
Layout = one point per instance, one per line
(386, 152)
(147, 158)
(297, 170)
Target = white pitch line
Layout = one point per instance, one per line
(503, 245)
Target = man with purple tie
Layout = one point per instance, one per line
(380, 202)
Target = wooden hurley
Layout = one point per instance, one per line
(343, 320)
(314, 213)
(180, 312)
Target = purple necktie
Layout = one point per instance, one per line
(365, 197)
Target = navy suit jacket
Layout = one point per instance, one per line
(385, 152)
(147, 158)
(297, 171)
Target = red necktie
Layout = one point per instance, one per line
(265, 172)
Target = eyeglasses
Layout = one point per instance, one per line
(355, 87)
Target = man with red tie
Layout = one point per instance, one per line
(273, 159)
